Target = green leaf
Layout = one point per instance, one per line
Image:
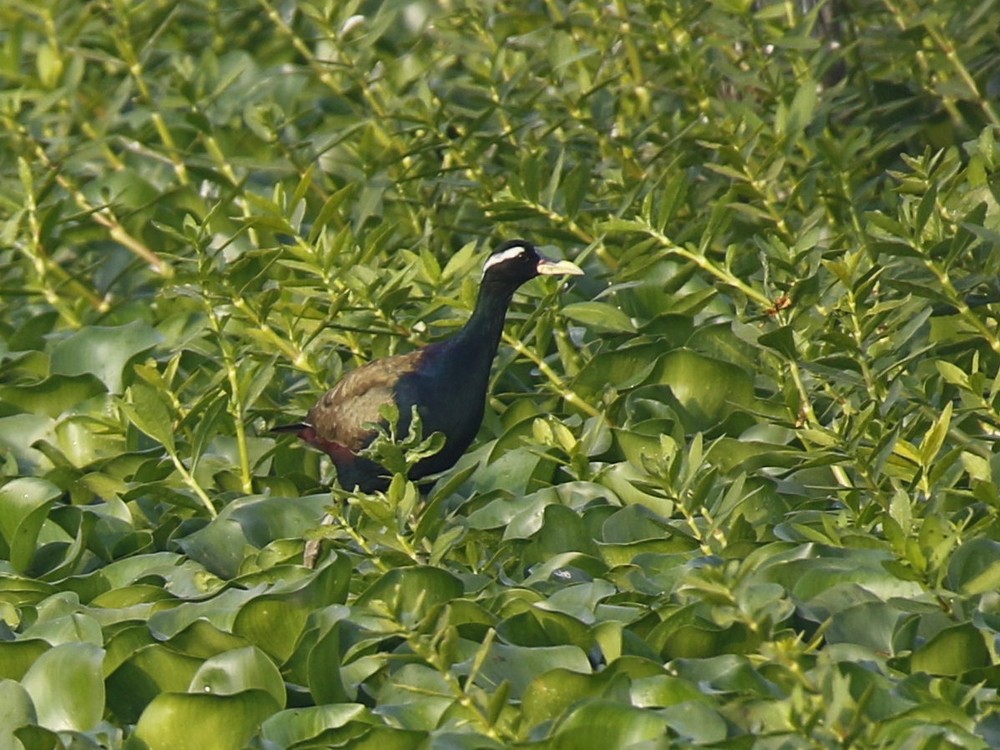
(706, 389)
(407, 593)
(238, 670)
(274, 621)
(934, 437)
(16, 657)
(952, 651)
(782, 340)
(104, 351)
(288, 728)
(599, 315)
(53, 395)
(150, 671)
(974, 568)
(602, 723)
(24, 505)
(16, 710)
(66, 685)
(176, 721)
(147, 411)
(519, 666)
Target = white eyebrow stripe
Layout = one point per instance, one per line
(508, 254)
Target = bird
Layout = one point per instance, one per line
(445, 381)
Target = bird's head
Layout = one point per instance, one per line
(517, 261)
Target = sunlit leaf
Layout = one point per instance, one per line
(177, 721)
(104, 351)
(66, 685)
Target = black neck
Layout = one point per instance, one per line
(481, 334)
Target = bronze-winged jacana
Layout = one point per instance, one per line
(446, 381)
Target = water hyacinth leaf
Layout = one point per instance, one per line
(365, 736)
(249, 524)
(66, 685)
(561, 530)
(661, 690)
(293, 726)
(621, 369)
(16, 710)
(696, 721)
(974, 568)
(219, 609)
(18, 433)
(323, 667)
(599, 316)
(201, 639)
(407, 594)
(53, 395)
(16, 657)
(273, 621)
(416, 697)
(552, 692)
(706, 389)
(178, 721)
(952, 651)
(870, 624)
(519, 665)
(24, 506)
(152, 670)
(603, 723)
(104, 351)
(238, 670)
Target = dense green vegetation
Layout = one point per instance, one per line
(737, 487)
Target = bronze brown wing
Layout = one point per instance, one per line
(342, 413)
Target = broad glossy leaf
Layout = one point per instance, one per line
(287, 728)
(323, 663)
(178, 721)
(561, 530)
(53, 395)
(66, 685)
(151, 670)
(273, 621)
(664, 690)
(19, 432)
(201, 639)
(416, 697)
(238, 670)
(974, 568)
(553, 692)
(407, 594)
(58, 626)
(104, 351)
(619, 369)
(705, 389)
(632, 524)
(602, 723)
(599, 316)
(696, 721)
(726, 673)
(24, 506)
(16, 710)
(871, 624)
(251, 523)
(519, 665)
(16, 657)
(952, 651)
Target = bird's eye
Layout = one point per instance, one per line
(502, 257)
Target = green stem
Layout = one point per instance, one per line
(567, 393)
(235, 401)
